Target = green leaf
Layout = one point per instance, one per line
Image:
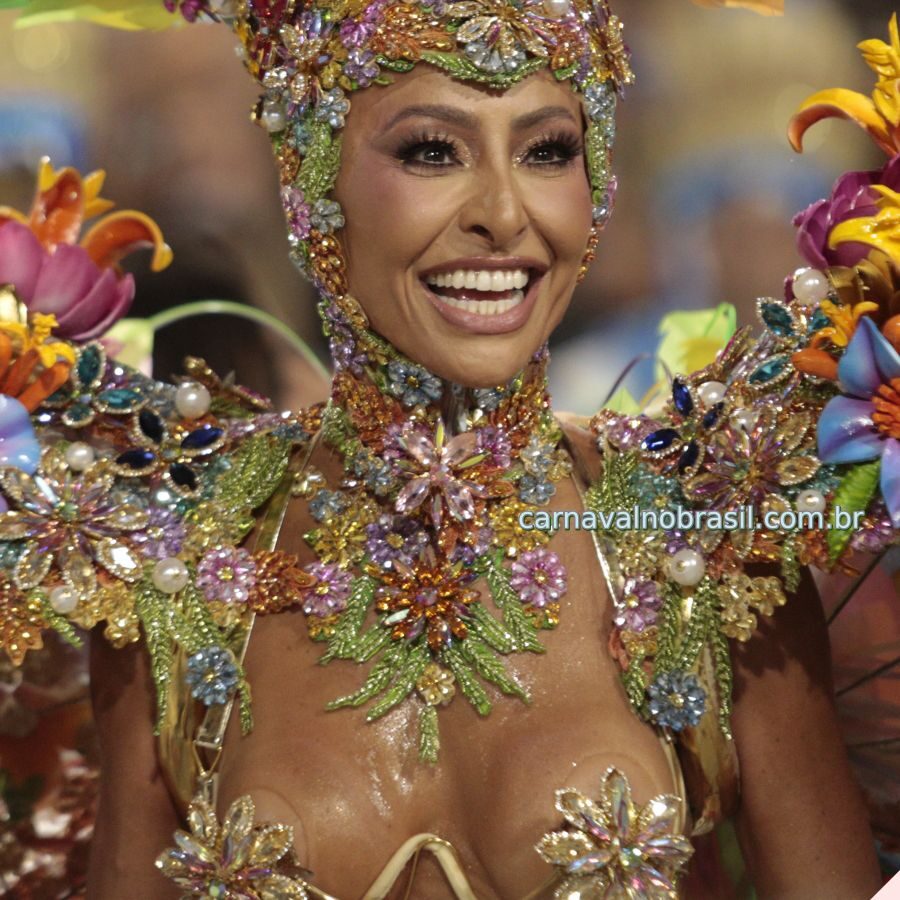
(669, 628)
(698, 625)
(381, 675)
(319, 168)
(522, 629)
(486, 627)
(153, 609)
(345, 639)
(407, 676)
(491, 668)
(690, 340)
(429, 739)
(724, 677)
(59, 623)
(853, 494)
(468, 683)
(463, 68)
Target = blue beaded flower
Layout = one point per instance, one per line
(676, 700)
(332, 108)
(411, 384)
(326, 216)
(535, 489)
(488, 399)
(212, 675)
(327, 504)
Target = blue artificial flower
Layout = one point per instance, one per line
(327, 504)
(411, 384)
(488, 399)
(326, 216)
(212, 675)
(333, 108)
(376, 472)
(535, 489)
(676, 700)
(18, 445)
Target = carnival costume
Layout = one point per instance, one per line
(129, 501)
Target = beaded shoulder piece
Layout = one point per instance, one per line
(125, 499)
(783, 452)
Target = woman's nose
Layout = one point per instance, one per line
(494, 208)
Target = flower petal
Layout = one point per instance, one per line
(844, 104)
(868, 362)
(21, 258)
(18, 445)
(65, 278)
(846, 432)
(890, 479)
(108, 300)
(562, 848)
(119, 233)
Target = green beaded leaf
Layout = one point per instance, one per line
(597, 150)
(697, 628)
(853, 494)
(406, 677)
(721, 652)
(468, 683)
(429, 740)
(520, 627)
(153, 609)
(380, 677)
(255, 472)
(319, 168)
(634, 682)
(59, 623)
(491, 668)
(463, 68)
(669, 623)
(346, 639)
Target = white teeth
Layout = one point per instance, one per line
(481, 279)
(485, 307)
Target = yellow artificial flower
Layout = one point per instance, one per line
(844, 319)
(881, 231)
(879, 115)
(35, 336)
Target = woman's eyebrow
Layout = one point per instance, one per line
(456, 116)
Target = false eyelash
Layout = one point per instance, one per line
(570, 145)
(422, 139)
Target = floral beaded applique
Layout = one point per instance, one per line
(418, 518)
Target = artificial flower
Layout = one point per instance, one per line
(19, 446)
(436, 685)
(212, 675)
(852, 197)
(163, 535)
(325, 505)
(80, 284)
(227, 574)
(538, 577)
(73, 520)
(431, 596)
(394, 538)
(236, 860)
(881, 230)
(879, 115)
(639, 605)
(411, 384)
(297, 212)
(864, 423)
(844, 320)
(611, 849)
(329, 592)
(435, 468)
(280, 582)
(676, 700)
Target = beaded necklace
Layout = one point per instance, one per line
(424, 509)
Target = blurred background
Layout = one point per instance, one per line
(707, 181)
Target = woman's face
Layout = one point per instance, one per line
(468, 212)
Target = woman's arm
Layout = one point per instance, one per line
(802, 823)
(136, 818)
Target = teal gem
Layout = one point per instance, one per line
(90, 364)
(769, 370)
(119, 400)
(777, 319)
(818, 321)
(78, 415)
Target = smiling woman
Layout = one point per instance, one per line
(484, 212)
(445, 214)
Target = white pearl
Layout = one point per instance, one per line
(192, 400)
(810, 501)
(557, 8)
(273, 117)
(810, 286)
(744, 419)
(711, 393)
(687, 567)
(80, 456)
(63, 599)
(170, 575)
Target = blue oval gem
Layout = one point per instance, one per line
(183, 476)
(660, 440)
(688, 456)
(151, 425)
(89, 365)
(681, 397)
(201, 438)
(711, 416)
(137, 459)
(119, 399)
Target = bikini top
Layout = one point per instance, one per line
(702, 764)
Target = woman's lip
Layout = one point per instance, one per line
(475, 323)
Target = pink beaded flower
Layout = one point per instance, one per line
(330, 592)
(227, 574)
(538, 577)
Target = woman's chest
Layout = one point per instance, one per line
(356, 790)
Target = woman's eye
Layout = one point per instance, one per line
(553, 153)
(429, 153)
